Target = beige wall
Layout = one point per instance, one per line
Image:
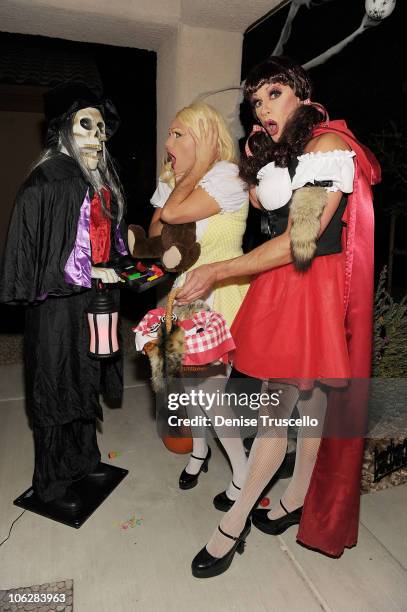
(20, 147)
(192, 61)
(167, 79)
(199, 42)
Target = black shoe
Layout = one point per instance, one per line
(206, 566)
(222, 501)
(286, 469)
(189, 481)
(276, 526)
(70, 502)
(248, 443)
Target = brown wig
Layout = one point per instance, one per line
(298, 129)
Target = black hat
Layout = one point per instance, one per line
(67, 98)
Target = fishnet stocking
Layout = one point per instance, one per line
(308, 441)
(266, 456)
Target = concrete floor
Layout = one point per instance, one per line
(147, 567)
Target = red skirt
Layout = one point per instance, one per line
(291, 325)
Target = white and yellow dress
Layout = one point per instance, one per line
(221, 235)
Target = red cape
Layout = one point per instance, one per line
(331, 509)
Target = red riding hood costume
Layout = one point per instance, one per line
(327, 312)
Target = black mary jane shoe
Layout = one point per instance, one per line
(206, 566)
(285, 470)
(222, 501)
(276, 526)
(189, 481)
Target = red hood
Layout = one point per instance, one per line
(367, 162)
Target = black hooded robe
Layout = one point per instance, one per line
(62, 382)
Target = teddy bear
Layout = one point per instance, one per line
(176, 246)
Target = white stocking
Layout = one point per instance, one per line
(308, 441)
(266, 456)
(199, 442)
(228, 436)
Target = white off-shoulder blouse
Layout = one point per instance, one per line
(221, 182)
(275, 186)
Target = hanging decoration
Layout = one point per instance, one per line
(375, 12)
(286, 31)
(379, 9)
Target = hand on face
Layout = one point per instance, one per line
(206, 142)
(180, 147)
(185, 146)
(198, 283)
(274, 103)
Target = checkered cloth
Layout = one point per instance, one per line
(207, 337)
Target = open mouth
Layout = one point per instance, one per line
(271, 126)
(96, 147)
(91, 150)
(172, 159)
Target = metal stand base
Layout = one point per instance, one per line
(92, 492)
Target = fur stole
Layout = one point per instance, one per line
(306, 208)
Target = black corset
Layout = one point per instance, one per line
(274, 222)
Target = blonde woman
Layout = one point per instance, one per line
(201, 183)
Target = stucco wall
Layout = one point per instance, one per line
(190, 62)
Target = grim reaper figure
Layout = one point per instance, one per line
(65, 228)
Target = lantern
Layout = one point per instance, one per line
(379, 9)
(102, 318)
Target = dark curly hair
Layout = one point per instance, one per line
(298, 129)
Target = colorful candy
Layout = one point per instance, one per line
(141, 267)
(113, 454)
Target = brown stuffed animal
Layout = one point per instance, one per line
(166, 353)
(176, 246)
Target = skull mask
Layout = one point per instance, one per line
(89, 132)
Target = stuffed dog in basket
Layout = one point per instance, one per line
(166, 353)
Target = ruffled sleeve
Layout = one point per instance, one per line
(335, 166)
(223, 184)
(161, 194)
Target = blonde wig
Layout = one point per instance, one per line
(190, 116)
